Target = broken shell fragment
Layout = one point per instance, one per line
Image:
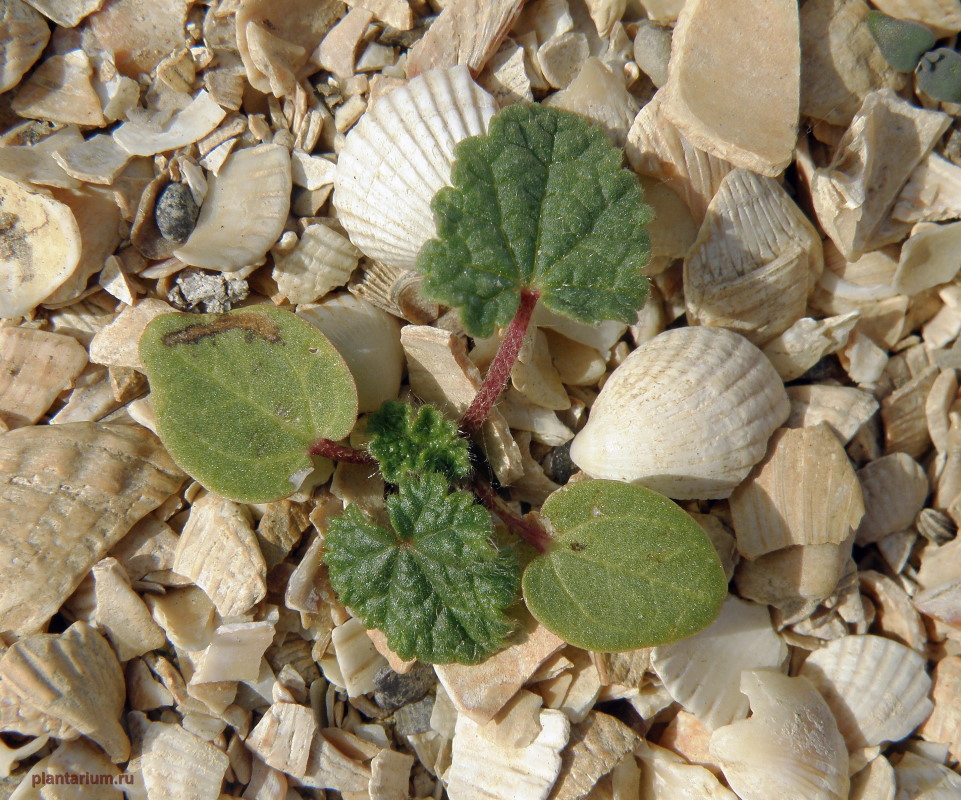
(244, 212)
(322, 260)
(895, 488)
(40, 243)
(686, 414)
(23, 35)
(399, 155)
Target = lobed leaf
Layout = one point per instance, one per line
(407, 441)
(540, 202)
(435, 584)
(241, 396)
(628, 568)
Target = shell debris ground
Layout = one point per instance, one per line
(792, 381)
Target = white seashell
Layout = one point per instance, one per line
(597, 746)
(357, 657)
(176, 763)
(874, 782)
(244, 212)
(369, 341)
(321, 261)
(876, 687)
(157, 133)
(804, 492)
(755, 260)
(23, 35)
(41, 248)
(944, 724)
(928, 257)
(121, 614)
(789, 748)
(703, 673)
(895, 488)
(61, 90)
(686, 414)
(598, 92)
(666, 776)
(283, 736)
(399, 155)
(918, 778)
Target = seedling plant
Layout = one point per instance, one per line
(539, 211)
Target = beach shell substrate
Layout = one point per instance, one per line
(792, 381)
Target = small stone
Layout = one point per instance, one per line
(216, 293)
(394, 690)
(414, 718)
(176, 213)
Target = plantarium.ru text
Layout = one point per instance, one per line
(539, 210)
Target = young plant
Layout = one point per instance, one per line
(539, 210)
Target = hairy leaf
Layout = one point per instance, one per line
(540, 202)
(406, 441)
(902, 42)
(435, 584)
(628, 568)
(240, 397)
(939, 75)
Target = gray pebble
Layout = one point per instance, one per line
(176, 213)
(414, 718)
(393, 690)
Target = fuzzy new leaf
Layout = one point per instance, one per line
(435, 584)
(542, 203)
(902, 42)
(240, 397)
(405, 441)
(628, 568)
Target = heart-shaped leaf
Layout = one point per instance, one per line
(241, 396)
(628, 568)
(541, 203)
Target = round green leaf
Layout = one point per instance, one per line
(628, 568)
(241, 396)
(902, 42)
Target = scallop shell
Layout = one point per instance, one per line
(41, 244)
(23, 35)
(244, 212)
(396, 291)
(686, 414)
(369, 341)
(397, 157)
(790, 747)
(877, 688)
(322, 260)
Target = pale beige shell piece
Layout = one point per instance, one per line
(282, 737)
(754, 262)
(218, 550)
(73, 677)
(876, 687)
(703, 672)
(116, 344)
(920, 778)
(665, 776)
(942, 15)
(929, 257)
(601, 337)
(158, 132)
(598, 93)
(932, 193)
(663, 10)
(440, 372)
(121, 614)
(656, 147)
(369, 341)
(68, 494)
(790, 747)
(842, 63)
(357, 657)
(887, 139)
(98, 159)
(11, 756)
(807, 341)
(186, 615)
(35, 366)
(389, 775)
(480, 691)
(466, 32)
(42, 248)
(944, 724)
(895, 488)
(329, 767)
(234, 652)
(534, 375)
(482, 770)
(322, 260)
(762, 136)
(518, 723)
(650, 423)
(396, 291)
(61, 90)
(875, 782)
(803, 492)
(560, 57)
(66, 13)
(940, 580)
(652, 50)
(902, 412)
(505, 76)
(543, 425)
(843, 409)
(176, 763)
(244, 212)
(596, 746)
(23, 35)
(65, 764)
(795, 578)
(399, 155)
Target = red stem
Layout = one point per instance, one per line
(526, 529)
(500, 368)
(339, 452)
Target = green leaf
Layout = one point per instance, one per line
(939, 75)
(435, 585)
(540, 202)
(628, 568)
(404, 441)
(240, 397)
(902, 42)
